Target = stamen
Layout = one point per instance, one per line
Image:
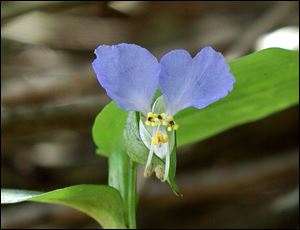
(167, 165)
(148, 167)
(171, 124)
(165, 123)
(150, 114)
(175, 127)
(159, 172)
(159, 138)
(154, 123)
(148, 171)
(170, 118)
(152, 119)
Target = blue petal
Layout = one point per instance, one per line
(198, 82)
(129, 74)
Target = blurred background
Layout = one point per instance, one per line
(246, 177)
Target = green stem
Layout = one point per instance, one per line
(132, 196)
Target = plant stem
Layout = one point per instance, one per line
(132, 195)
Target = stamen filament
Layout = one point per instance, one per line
(148, 170)
(158, 120)
(167, 165)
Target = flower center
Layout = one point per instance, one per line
(154, 120)
(162, 126)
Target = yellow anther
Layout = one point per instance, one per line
(159, 138)
(175, 127)
(154, 123)
(150, 114)
(159, 172)
(172, 125)
(154, 120)
(164, 123)
(148, 171)
(165, 139)
(163, 115)
(154, 140)
(151, 119)
(170, 118)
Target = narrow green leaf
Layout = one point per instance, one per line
(103, 203)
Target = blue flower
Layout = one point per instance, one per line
(131, 75)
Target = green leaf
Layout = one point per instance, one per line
(118, 175)
(134, 146)
(266, 82)
(103, 203)
(107, 134)
(10, 196)
(108, 128)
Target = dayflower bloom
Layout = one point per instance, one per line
(131, 76)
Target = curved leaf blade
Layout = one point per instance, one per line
(102, 203)
(11, 196)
